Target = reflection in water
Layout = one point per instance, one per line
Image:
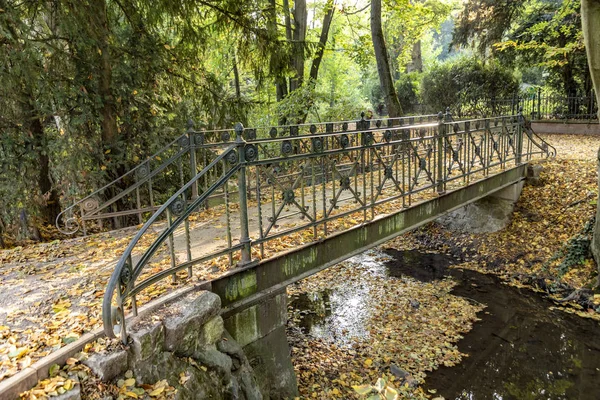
(336, 315)
(519, 350)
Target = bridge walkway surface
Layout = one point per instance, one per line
(263, 213)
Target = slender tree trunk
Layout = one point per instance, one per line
(100, 25)
(299, 37)
(590, 18)
(314, 69)
(416, 64)
(51, 199)
(383, 62)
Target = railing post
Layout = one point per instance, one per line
(193, 166)
(244, 232)
(539, 99)
(520, 126)
(440, 153)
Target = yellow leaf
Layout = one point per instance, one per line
(107, 151)
(156, 392)
(103, 167)
(131, 394)
(368, 362)
(130, 382)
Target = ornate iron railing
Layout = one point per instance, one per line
(540, 106)
(302, 188)
(134, 196)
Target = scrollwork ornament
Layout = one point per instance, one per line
(286, 147)
(250, 134)
(345, 126)
(90, 204)
(456, 128)
(125, 275)
(232, 157)
(344, 141)
(177, 206)
(387, 136)
(143, 171)
(184, 141)
(273, 133)
(423, 165)
(317, 145)
(367, 139)
(313, 129)
(288, 196)
(199, 139)
(388, 172)
(250, 152)
(345, 182)
(71, 226)
(225, 136)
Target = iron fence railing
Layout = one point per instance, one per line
(541, 106)
(134, 196)
(293, 189)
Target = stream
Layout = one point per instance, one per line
(520, 349)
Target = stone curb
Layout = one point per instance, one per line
(26, 379)
(29, 377)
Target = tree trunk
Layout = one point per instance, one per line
(416, 64)
(314, 69)
(100, 30)
(383, 62)
(50, 198)
(590, 18)
(299, 37)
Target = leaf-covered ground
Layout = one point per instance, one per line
(51, 292)
(539, 249)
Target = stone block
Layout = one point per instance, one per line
(181, 328)
(147, 340)
(108, 366)
(212, 330)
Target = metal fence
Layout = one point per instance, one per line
(301, 186)
(540, 106)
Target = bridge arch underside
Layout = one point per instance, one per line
(254, 297)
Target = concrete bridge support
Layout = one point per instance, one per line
(260, 330)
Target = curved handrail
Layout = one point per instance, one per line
(125, 274)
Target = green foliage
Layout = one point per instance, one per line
(463, 84)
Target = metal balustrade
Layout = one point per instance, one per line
(133, 197)
(302, 186)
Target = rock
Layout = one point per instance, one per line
(486, 215)
(404, 377)
(415, 304)
(212, 331)
(213, 358)
(230, 347)
(147, 341)
(398, 372)
(108, 366)
(73, 394)
(181, 329)
(248, 384)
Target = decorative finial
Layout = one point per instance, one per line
(239, 130)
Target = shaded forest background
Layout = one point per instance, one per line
(89, 88)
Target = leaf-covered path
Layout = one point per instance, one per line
(51, 292)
